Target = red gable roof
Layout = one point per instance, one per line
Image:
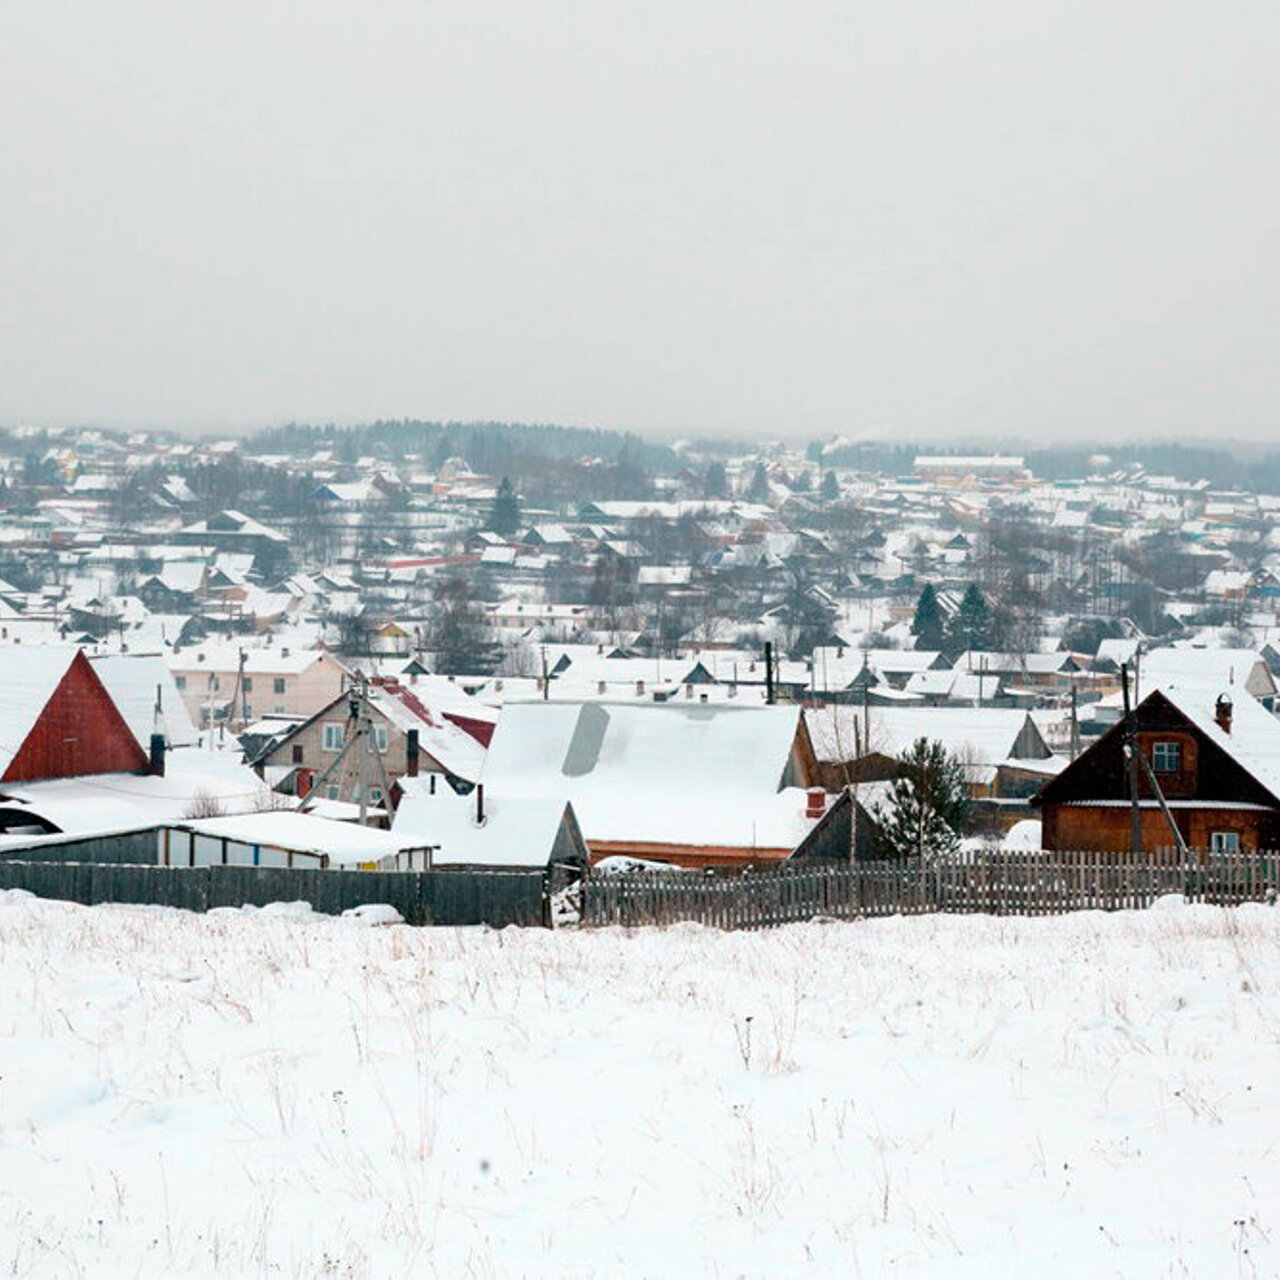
(77, 731)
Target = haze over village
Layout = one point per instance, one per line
(639, 641)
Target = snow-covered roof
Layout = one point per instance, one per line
(980, 735)
(127, 801)
(517, 831)
(345, 843)
(1254, 739)
(665, 773)
(224, 655)
(446, 742)
(1217, 668)
(135, 682)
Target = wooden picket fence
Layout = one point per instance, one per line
(994, 881)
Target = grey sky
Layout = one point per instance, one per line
(896, 217)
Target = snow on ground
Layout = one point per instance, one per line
(274, 1093)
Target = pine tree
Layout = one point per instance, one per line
(971, 624)
(460, 635)
(830, 487)
(504, 516)
(927, 625)
(927, 803)
(758, 489)
(715, 484)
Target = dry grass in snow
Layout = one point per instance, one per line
(272, 1093)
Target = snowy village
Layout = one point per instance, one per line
(639, 642)
(393, 661)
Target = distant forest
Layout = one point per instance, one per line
(489, 447)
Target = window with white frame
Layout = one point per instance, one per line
(333, 736)
(278, 685)
(1224, 842)
(380, 737)
(1166, 757)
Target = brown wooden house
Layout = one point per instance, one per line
(1216, 758)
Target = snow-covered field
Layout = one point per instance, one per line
(272, 1093)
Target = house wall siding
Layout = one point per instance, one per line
(315, 759)
(1097, 829)
(305, 691)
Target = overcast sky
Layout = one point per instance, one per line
(1012, 218)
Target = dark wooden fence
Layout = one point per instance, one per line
(996, 882)
(494, 898)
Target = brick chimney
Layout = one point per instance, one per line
(815, 802)
(1222, 710)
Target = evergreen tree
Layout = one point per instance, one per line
(504, 516)
(927, 803)
(830, 487)
(971, 626)
(715, 484)
(460, 635)
(927, 625)
(758, 489)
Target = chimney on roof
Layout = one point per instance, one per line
(688, 691)
(155, 763)
(1222, 711)
(639, 688)
(815, 802)
(411, 753)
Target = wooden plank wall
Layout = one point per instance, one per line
(495, 898)
(996, 882)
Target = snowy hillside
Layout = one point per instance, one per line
(272, 1093)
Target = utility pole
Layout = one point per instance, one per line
(1131, 754)
(866, 703)
(362, 754)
